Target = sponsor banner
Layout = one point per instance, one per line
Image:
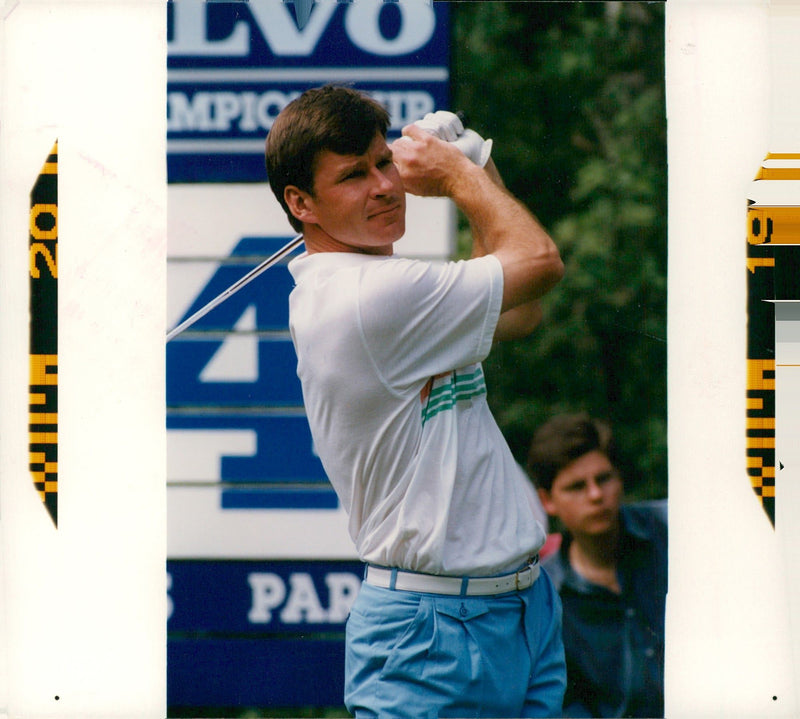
(243, 478)
(258, 633)
(237, 672)
(232, 67)
(260, 597)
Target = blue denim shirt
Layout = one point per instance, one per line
(614, 643)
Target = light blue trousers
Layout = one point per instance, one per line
(418, 655)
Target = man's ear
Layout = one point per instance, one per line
(547, 502)
(300, 204)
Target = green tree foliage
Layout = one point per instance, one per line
(573, 96)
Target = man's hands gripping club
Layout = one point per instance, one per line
(432, 165)
(429, 165)
(447, 126)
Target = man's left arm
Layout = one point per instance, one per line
(519, 321)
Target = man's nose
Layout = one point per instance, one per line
(594, 489)
(381, 184)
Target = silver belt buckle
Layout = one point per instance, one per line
(517, 584)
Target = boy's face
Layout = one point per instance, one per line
(358, 203)
(586, 495)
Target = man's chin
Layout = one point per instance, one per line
(400, 230)
(390, 233)
(598, 526)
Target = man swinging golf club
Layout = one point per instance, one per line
(455, 616)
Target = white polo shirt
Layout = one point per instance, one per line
(389, 353)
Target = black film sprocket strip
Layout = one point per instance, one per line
(773, 268)
(43, 398)
(760, 426)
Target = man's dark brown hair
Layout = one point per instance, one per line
(334, 118)
(561, 440)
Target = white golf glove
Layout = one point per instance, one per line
(447, 126)
(474, 147)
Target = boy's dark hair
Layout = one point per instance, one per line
(334, 118)
(561, 440)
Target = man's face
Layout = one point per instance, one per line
(586, 495)
(358, 202)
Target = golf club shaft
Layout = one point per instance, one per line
(236, 286)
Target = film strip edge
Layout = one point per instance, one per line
(43, 334)
(773, 236)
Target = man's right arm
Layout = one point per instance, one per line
(501, 224)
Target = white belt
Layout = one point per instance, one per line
(458, 586)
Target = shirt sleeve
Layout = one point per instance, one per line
(419, 319)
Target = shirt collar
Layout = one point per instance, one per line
(308, 263)
(636, 524)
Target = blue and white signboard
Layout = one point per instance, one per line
(233, 66)
(260, 563)
(272, 632)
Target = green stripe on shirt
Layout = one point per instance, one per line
(460, 388)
